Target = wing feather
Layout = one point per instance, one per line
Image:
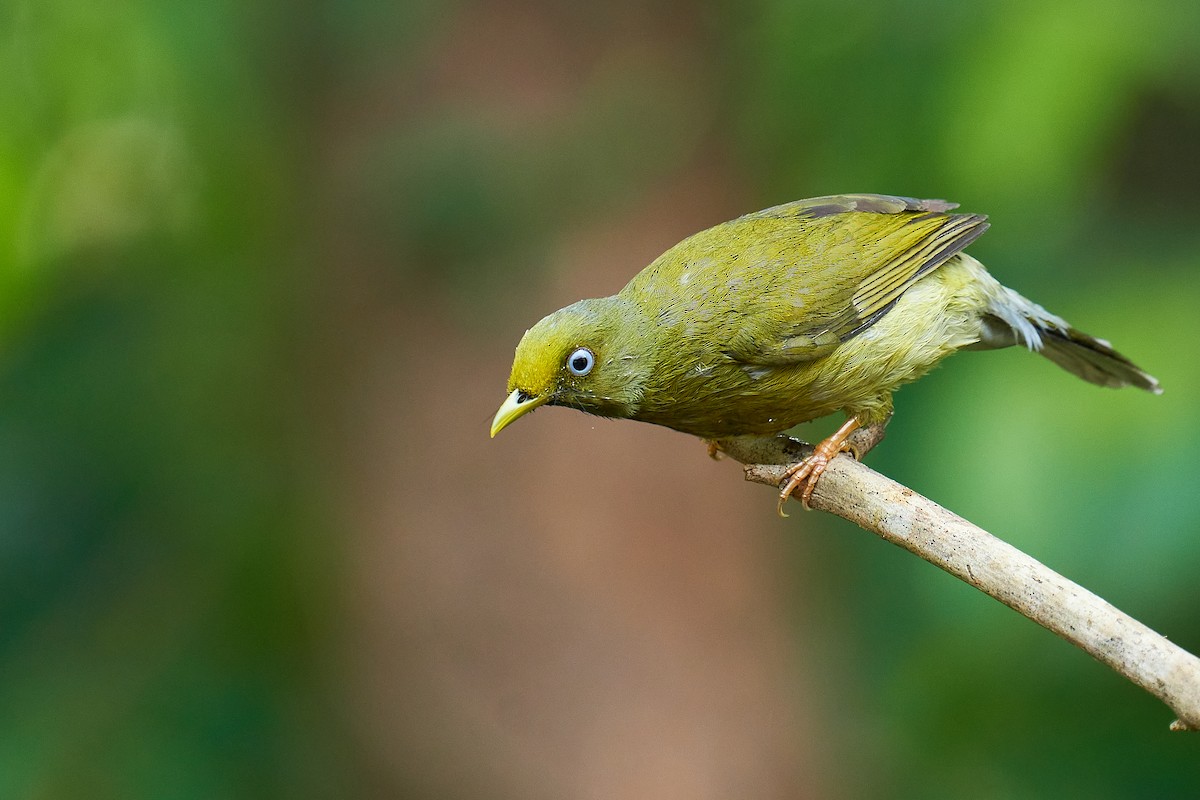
(864, 266)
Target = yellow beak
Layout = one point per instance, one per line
(517, 405)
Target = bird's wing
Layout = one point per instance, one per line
(815, 207)
(830, 267)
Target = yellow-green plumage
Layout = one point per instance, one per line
(790, 314)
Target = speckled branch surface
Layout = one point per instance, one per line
(857, 493)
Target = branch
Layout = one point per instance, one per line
(899, 515)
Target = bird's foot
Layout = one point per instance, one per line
(808, 471)
(714, 449)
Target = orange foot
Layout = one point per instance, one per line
(808, 471)
(714, 449)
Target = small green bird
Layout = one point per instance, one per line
(787, 315)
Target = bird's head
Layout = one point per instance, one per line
(585, 356)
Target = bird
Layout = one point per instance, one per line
(791, 314)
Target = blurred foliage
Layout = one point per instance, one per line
(163, 595)
(155, 555)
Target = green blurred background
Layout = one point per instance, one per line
(262, 267)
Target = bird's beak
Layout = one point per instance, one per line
(517, 405)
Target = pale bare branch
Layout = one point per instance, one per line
(896, 513)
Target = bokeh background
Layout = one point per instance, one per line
(262, 267)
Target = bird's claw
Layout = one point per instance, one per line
(809, 471)
(806, 472)
(714, 449)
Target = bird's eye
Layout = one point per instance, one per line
(581, 362)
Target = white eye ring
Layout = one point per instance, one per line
(581, 362)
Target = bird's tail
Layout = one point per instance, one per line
(1013, 319)
(1094, 360)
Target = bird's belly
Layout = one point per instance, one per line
(937, 316)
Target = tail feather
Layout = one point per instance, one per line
(1013, 319)
(1094, 360)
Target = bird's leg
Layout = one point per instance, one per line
(808, 471)
(714, 449)
(862, 440)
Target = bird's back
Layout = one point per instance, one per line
(803, 276)
(748, 308)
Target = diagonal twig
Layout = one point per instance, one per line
(899, 515)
